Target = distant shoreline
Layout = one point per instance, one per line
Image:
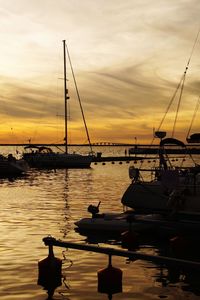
(100, 145)
(79, 145)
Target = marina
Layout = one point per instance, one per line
(49, 202)
(108, 209)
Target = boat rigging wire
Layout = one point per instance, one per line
(179, 103)
(171, 101)
(180, 84)
(79, 99)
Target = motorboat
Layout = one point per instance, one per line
(115, 224)
(172, 189)
(109, 222)
(12, 167)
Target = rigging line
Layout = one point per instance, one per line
(179, 102)
(194, 45)
(182, 79)
(79, 99)
(171, 101)
(182, 86)
(194, 115)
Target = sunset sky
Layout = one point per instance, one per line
(128, 57)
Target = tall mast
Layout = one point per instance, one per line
(65, 97)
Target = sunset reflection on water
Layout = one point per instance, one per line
(48, 202)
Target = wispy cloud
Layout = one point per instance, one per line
(128, 58)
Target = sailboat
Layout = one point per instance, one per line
(172, 189)
(169, 188)
(45, 157)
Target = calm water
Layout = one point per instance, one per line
(48, 203)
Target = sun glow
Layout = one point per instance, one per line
(127, 60)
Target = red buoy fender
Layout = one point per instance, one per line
(110, 280)
(50, 272)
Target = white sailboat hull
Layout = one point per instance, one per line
(58, 160)
(153, 196)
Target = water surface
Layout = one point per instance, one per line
(48, 202)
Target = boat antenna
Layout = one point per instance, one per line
(79, 99)
(66, 97)
(180, 84)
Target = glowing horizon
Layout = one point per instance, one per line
(128, 59)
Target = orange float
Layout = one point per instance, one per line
(50, 272)
(110, 280)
